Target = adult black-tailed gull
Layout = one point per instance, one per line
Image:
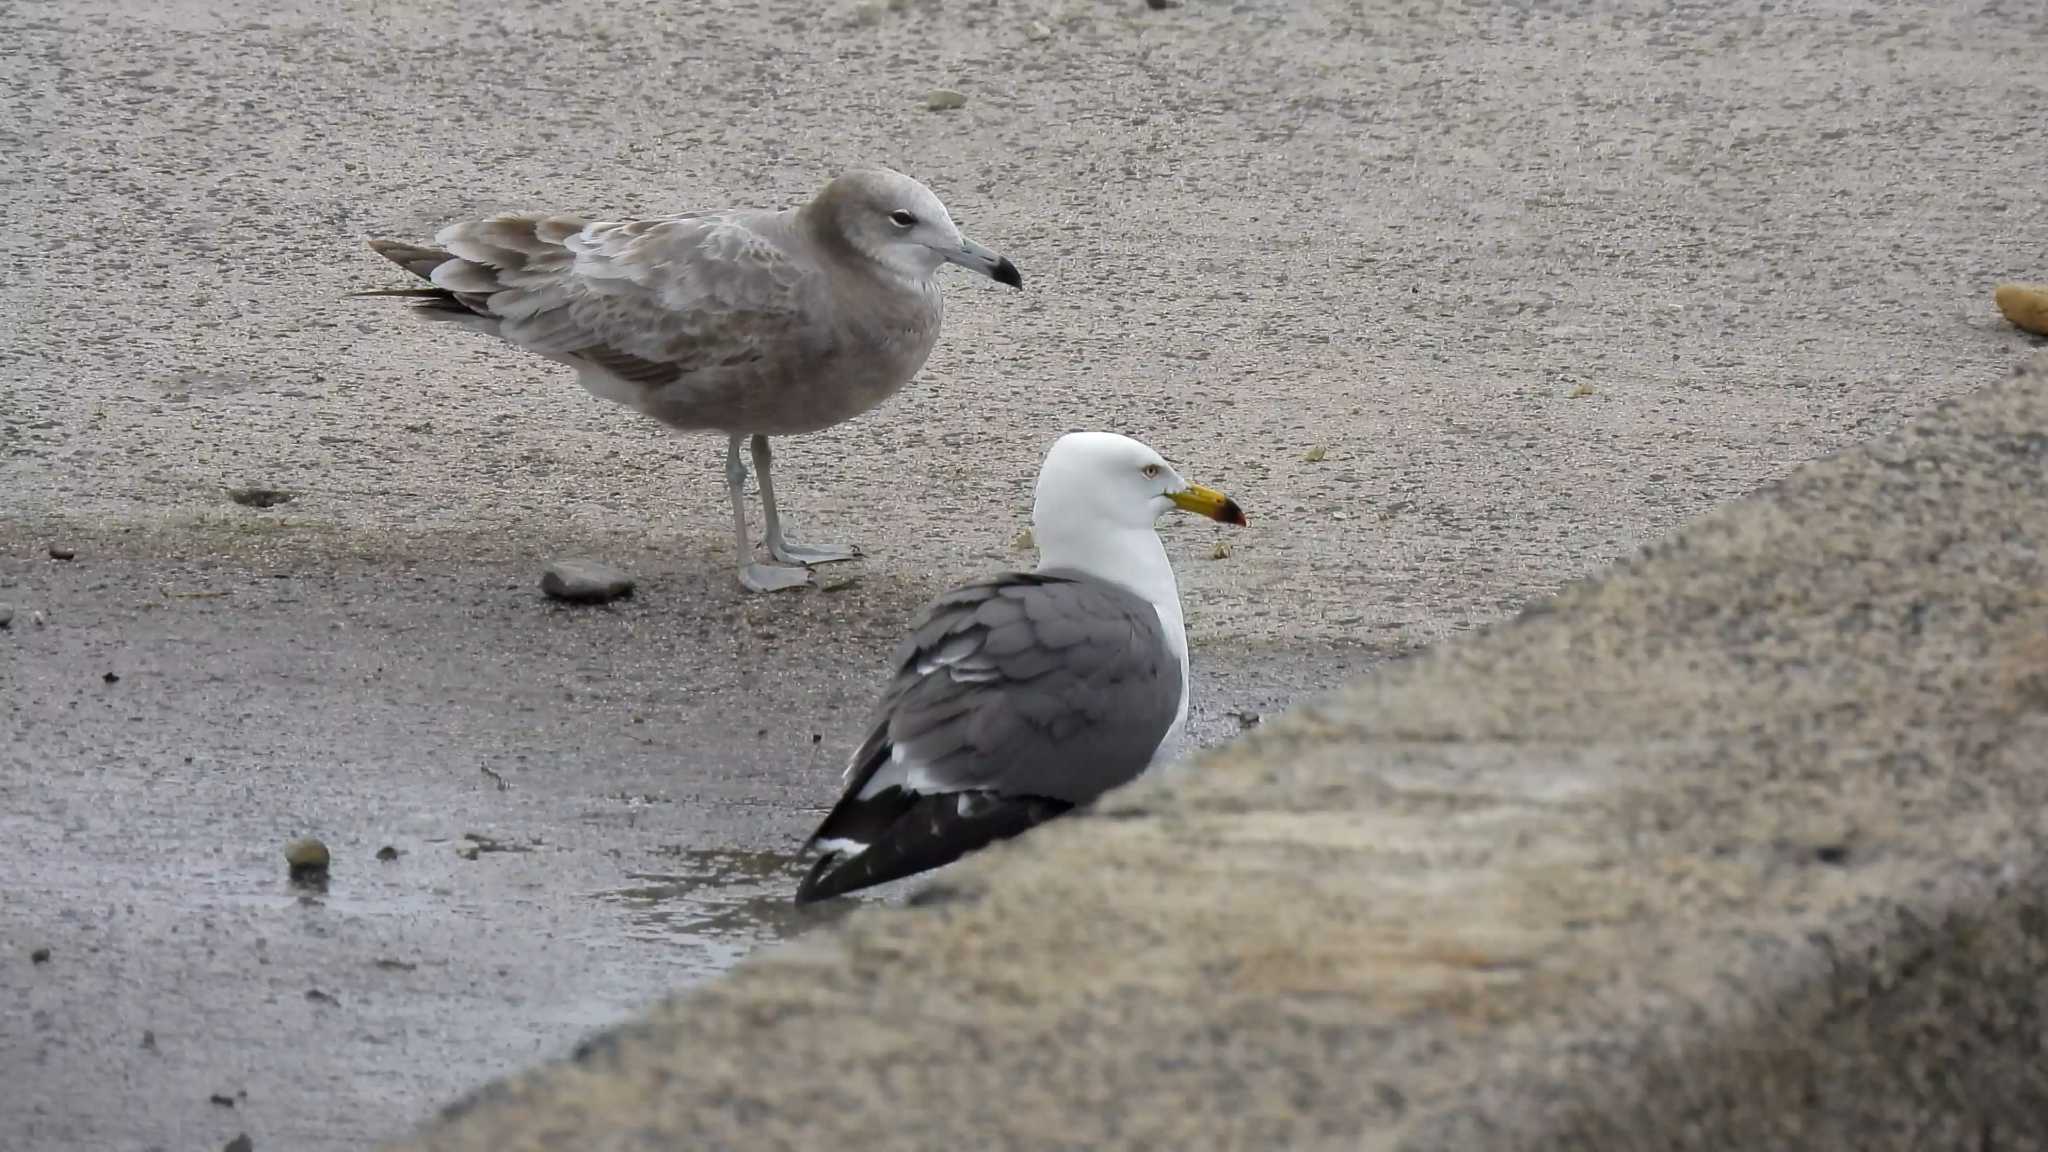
(747, 322)
(1019, 696)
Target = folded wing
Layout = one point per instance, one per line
(1014, 699)
(646, 301)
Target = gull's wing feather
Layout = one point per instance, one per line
(648, 301)
(1014, 699)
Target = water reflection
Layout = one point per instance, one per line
(725, 902)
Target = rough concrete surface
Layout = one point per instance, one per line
(1462, 302)
(1741, 846)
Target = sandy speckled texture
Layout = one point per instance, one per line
(1756, 233)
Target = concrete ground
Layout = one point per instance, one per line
(1738, 845)
(1460, 301)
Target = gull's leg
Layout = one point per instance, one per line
(754, 577)
(779, 548)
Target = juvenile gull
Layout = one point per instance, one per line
(1017, 697)
(748, 322)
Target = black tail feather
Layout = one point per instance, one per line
(425, 292)
(908, 832)
(429, 300)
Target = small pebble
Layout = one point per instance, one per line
(1037, 31)
(387, 854)
(39, 956)
(37, 618)
(1161, 5)
(468, 850)
(307, 858)
(60, 553)
(584, 582)
(6, 615)
(319, 997)
(1024, 541)
(148, 1040)
(944, 100)
(1221, 551)
(1581, 391)
(221, 1100)
(1315, 455)
(111, 677)
(240, 1143)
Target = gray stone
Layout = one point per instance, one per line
(1737, 846)
(585, 582)
(6, 615)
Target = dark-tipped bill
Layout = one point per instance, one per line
(975, 258)
(1209, 502)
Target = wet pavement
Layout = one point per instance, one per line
(540, 817)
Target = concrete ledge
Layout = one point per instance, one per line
(1744, 845)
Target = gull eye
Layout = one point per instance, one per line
(904, 218)
(1151, 471)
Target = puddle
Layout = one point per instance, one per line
(721, 903)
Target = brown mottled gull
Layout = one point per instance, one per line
(1020, 696)
(747, 322)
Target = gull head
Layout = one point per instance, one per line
(898, 223)
(1100, 484)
